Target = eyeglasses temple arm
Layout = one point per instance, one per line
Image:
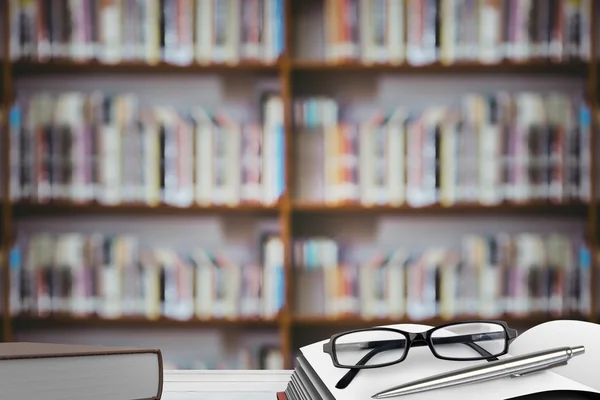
(349, 376)
(483, 352)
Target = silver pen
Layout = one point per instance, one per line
(513, 367)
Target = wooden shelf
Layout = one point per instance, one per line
(576, 68)
(24, 68)
(359, 322)
(574, 209)
(24, 209)
(31, 322)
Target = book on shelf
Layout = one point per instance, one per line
(97, 147)
(116, 276)
(315, 376)
(70, 371)
(3, 145)
(486, 275)
(420, 32)
(485, 149)
(178, 32)
(271, 358)
(3, 265)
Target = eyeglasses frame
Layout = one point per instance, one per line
(419, 337)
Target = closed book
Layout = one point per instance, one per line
(45, 371)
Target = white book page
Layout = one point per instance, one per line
(420, 363)
(222, 395)
(582, 369)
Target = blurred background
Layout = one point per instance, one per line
(230, 180)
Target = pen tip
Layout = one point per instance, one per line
(577, 350)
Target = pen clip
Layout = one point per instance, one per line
(538, 369)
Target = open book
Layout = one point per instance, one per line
(580, 375)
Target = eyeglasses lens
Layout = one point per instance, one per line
(469, 341)
(373, 348)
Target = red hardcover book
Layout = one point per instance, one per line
(281, 396)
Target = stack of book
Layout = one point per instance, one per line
(305, 384)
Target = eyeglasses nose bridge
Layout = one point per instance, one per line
(417, 337)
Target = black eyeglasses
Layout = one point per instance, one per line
(381, 347)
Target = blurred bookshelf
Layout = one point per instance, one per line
(340, 164)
